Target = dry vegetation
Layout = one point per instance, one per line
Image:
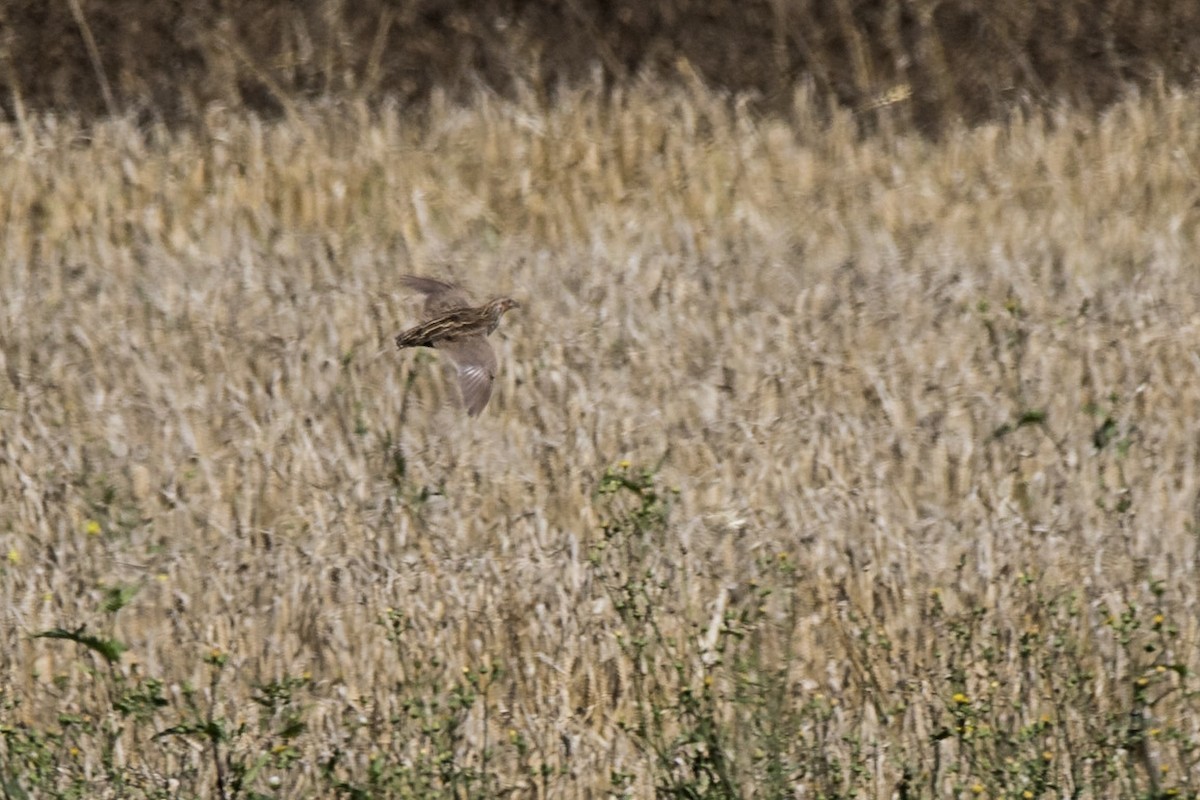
(819, 466)
(948, 59)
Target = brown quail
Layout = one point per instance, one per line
(460, 331)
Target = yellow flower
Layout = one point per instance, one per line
(1047, 755)
(977, 788)
(961, 699)
(624, 464)
(92, 528)
(13, 556)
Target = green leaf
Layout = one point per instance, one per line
(13, 789)
(1032, 416)
(213, 731)
(118, 597)
(1105, 433)
(109, 649)
(293, 729)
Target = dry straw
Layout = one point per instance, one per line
(929, 394)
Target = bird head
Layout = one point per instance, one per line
(496, 309)
(502, 304)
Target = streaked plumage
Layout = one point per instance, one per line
(460, 331)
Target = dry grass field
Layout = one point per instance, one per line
(818, 466)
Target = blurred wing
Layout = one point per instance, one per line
(476, 362)
(439, 295)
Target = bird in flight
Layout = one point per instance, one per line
(460, 331)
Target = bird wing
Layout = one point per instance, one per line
(439, 295)
(476, 362)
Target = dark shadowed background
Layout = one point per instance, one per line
(930, 62)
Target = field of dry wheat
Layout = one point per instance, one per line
(817, 466)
